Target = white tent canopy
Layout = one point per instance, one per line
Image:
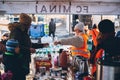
(61, 6)
(60, 0)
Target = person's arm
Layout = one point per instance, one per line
(93, 55)
(37, 45)
(76, 41)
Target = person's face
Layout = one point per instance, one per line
(4, 37)
(17, 50)
(76, 31)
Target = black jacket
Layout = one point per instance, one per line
(111, 49)
(111, 46)
(52, 26)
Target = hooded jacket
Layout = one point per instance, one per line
(19, 32)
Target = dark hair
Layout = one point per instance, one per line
(60, 51)
(25, 19)
(52, 19)
(94, 26)
(106, 26)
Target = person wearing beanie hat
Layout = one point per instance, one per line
(78, 42)
(12, 59)
(78, 47)
(80, 27)
(19, 31)
(107, 45)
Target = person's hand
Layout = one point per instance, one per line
(45, 44)
(56, 42)
(32, 50)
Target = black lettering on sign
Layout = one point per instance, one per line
(79, 9)
(53, 8)
(59, 8)
(85, 8)
(62, 9)
(66, 9)
(36, 9)
(43, 9)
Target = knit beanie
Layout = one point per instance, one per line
(25, 19)
(11, 44)
(106, 26)
(80, 26)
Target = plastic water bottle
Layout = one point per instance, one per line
(46, 39)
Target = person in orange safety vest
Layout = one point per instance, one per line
(94, 33)
(78, 42)
(99, 54)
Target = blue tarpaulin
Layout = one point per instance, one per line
(37, 31)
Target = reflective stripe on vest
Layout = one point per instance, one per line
(82, 50)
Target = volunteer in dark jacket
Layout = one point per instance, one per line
(19, 31)
(107, 44)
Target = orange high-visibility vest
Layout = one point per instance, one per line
(98, 55)
(94, 33)
(82, 51)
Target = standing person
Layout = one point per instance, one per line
(12, 61)
(78, 42)
(79, 47)
(19, 31)
(94, 33)
(107, 43)
(52, 28)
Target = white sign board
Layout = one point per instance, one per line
(61, 8)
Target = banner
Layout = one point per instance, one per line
(62, 7)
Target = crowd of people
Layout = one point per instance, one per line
(18, 47)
